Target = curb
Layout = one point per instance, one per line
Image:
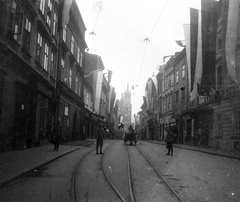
(198, 150)
(23, 172)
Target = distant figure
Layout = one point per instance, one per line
(169, 141)
(130, 129)
(57, 134)
(100, 137)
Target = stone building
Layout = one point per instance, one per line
(41, 71)
(28, 71)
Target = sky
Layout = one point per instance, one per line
(133, 36)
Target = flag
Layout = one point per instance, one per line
(109, 76)
(193, 44)
(186, 28)
(112, 98)
(97, 89)
(209, 17)
(148, 93)
(66, 10)
(198, 69)
(231, 38)
(155, 82)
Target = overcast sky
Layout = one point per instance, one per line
(121, 28)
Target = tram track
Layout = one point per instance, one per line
(160, 176)
(73, 192)
(131, 186)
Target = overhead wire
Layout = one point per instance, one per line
(94, 27)
(158, 19)
(147, 40)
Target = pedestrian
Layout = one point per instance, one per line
(57, 135)
(100, 137)
(169, 141)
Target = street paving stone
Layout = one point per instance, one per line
(16, 163)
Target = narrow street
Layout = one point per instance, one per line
(79, 176)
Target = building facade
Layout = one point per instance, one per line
(29, 47)
(71, 75)
(41, 71)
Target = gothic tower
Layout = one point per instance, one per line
(125, 108)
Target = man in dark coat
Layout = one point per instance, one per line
(100, 137)
(57, 134)
(169, 141)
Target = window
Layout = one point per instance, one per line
(169, 104)
(42, 6)
(172, 79)
(219, 40)
(76, 85)
(72, 44)
(52, 64)
(45, 64)
(177, 94)
(27, 34)
(66, 110)
(237, 123)
(63, 70)
(177, 73)
(64, 33)
(78, 55)
(79, 88)
(164, 105)
(15, 20)
(183, 98)
(49, 12)
(81, 59)
(183, 71)
(39, 48)
(54, 24)
(70, 78)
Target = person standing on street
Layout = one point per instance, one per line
(169, 141)
(57, 134)
(99, 144)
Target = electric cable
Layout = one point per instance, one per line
(158, 18)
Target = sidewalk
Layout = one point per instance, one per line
(16, 163)
(219, 152)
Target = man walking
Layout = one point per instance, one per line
(99, 144)
(169, 141)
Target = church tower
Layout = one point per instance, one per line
(125, 108)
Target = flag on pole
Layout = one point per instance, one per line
(97, 89)
(231, 38)
(66, 10)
